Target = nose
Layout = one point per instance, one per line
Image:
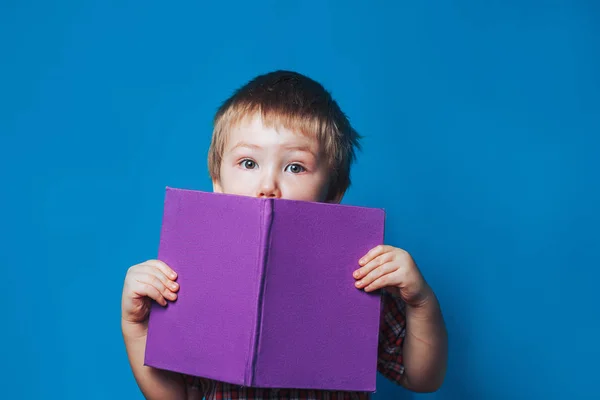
(268, 187)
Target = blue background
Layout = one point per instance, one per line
(481, 123)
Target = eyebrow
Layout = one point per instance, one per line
(301, 148)
(305, 149)
(247, 145)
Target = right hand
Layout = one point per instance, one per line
(150, 280)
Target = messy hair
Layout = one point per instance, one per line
(297, 103)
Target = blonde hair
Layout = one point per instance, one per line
(293, 101)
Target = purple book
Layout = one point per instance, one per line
(267, 297)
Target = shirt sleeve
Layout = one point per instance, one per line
(392, 331)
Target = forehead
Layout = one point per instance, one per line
(264, 131)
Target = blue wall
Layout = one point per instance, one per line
(481, 124)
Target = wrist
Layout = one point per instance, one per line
(427, 308)
(422, 299)
(134, 330)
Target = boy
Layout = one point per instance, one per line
(283, 136)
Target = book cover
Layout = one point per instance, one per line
(267, 297)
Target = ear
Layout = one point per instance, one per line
(217, 187)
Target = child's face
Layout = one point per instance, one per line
(266, 162)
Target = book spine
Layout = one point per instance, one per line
(263, 257)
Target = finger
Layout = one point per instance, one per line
(150, 269)
(374, 252)
(154, 281)
(371, 265)
(381, 282)
(168, 271)
(375, 274)
(146, 290)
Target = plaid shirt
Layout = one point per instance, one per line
(389, 363)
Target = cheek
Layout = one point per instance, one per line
(236, 182)
(310, 190)
(321, 187)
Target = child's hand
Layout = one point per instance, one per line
(151, 280)
(393, 269)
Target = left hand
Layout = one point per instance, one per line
(395, 270)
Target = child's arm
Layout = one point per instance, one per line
(154, 383)
(416, 358)
(152, 280)
(426, 346)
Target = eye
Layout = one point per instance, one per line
(248, 164)
(295, 168)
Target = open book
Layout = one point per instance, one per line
(267, 297)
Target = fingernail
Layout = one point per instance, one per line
(359, 283)
(362, 261)
(356, 274)
(173, 285)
